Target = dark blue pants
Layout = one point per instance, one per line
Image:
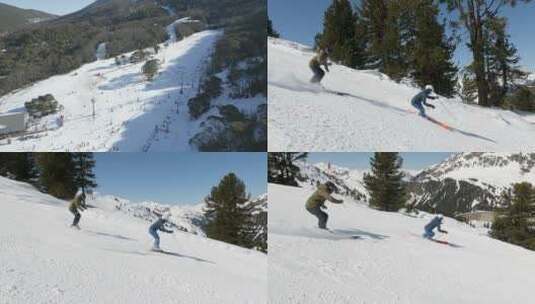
(156, 237)
(419, 106)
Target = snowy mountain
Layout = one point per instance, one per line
(465, 182)
(380, 257)
(187, 218)
(131, 114)
(470, 181)
(348, 181)
(357, 110)
(201, 98)
(45, 261)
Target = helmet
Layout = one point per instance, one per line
(440, 216)
(331, 186)
(429, 88)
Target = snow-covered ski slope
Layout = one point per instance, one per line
(128, 108)
(108, 261)
(389, 262)
(374, 113)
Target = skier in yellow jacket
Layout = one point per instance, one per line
(76, 205)
(316, 202)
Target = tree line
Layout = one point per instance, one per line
(58, 174)
(230, 216)
(405, 39)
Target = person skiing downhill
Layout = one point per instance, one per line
(316, 202)
(315, 65)
(153, 230)
(419, 101)
(77, 205)
(436, 222)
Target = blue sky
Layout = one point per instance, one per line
(300, 20)
(361, 160)
(57, 7)
(176, 178)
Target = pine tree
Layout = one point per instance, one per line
(281, 167)
(385, 183)
(517, 225)
(468, 89)
(150, 68)
(339, 24)
(502, 61)
(20, 166)
(373, 16)
(57, 174)
(84, 175)
(227, 214)
(430, 51)
(473, 16)
(271, 32)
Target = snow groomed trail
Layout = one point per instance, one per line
(358, 110)
(380, 257)
(132, 114)
(108, 261)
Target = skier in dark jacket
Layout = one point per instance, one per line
(153, 230)
(316, 202)
(419, 101)
(436, 222)
(315, 65)
(77, 205)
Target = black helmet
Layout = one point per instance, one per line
(330, 186)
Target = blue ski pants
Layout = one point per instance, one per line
(419, 106)
(156, 237)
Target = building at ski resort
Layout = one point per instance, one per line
(13, 122)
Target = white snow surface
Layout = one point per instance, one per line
(375, 114)
(128, 108)
(390, 263)
(108, 261)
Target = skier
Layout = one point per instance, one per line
(419, 100)
(153, 231)
(315, 65)
(76, 205)
(436, 222)
(316, 202)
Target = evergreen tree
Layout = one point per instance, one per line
(227, 214)
(385, 183)
(468, 89)
(20, 166)
(430, 51)
(150, 68)
(84, 175)
(373, 15)
(281, 167)
(57, 174)
(474, 16)
(339, 34)
(502, 59)
(517, 225)
(271, 32)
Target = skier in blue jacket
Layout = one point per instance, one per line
(153, 230)
(436, 222)
(420, 100)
